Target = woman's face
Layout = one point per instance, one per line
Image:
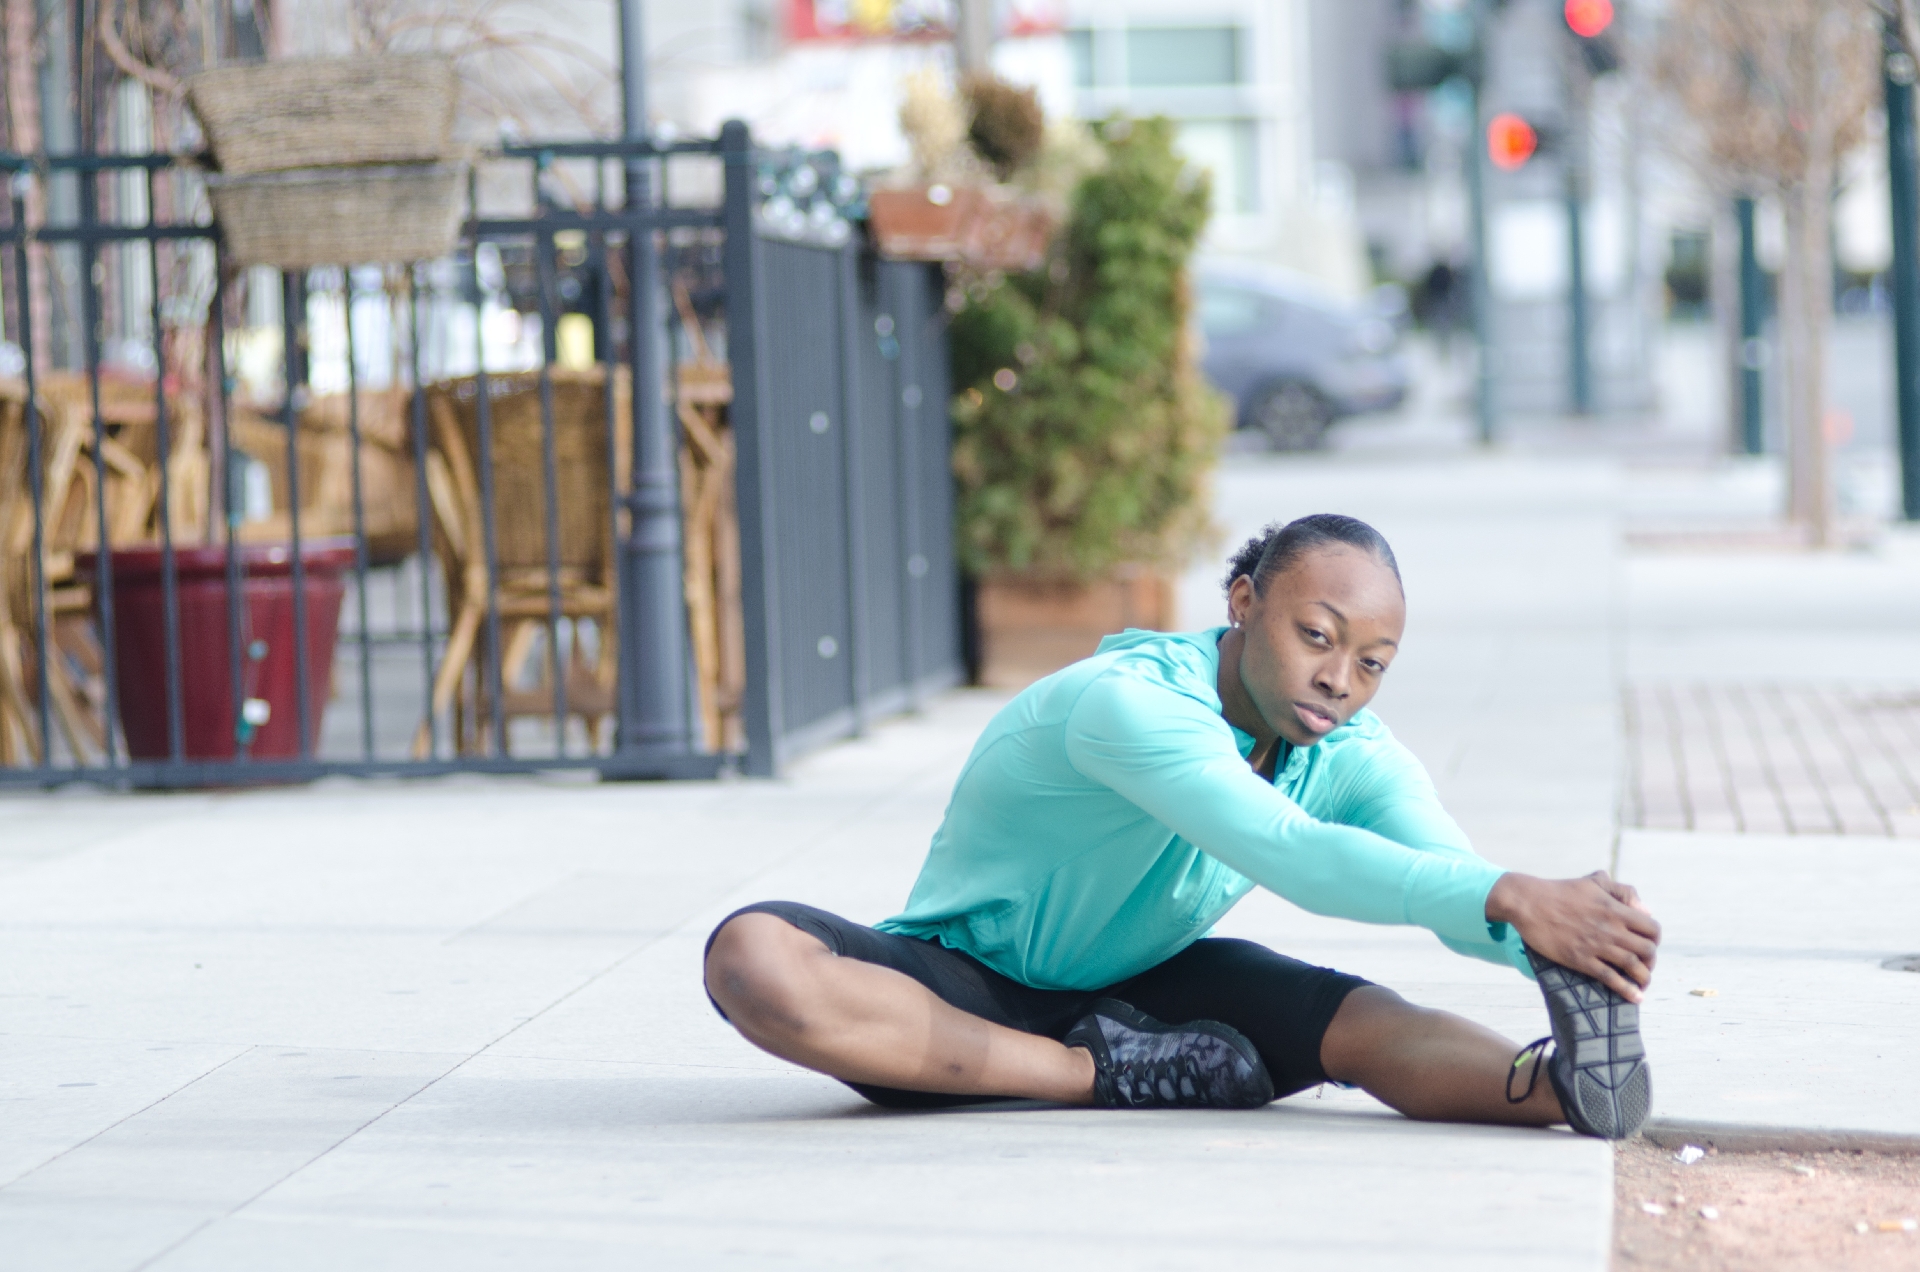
(1319, 641)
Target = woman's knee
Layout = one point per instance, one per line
(755, 970)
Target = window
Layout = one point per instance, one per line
(1183, 57)
(1229, 311)
(1226, 148)
(1080, 53)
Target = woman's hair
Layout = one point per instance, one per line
(1273, 551)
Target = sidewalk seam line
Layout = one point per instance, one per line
(75, 1147)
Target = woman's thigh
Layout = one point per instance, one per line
(953, 977)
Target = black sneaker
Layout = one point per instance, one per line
(1139, 1063)
(1599, 1066)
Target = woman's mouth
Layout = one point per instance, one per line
(1315, 719)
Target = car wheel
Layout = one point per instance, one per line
(1292, 415)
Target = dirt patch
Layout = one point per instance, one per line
(1772, 1212)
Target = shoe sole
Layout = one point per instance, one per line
(1610, 1089)
(1138, 1020)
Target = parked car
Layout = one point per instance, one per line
(1294, 359)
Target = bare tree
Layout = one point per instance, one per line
(1776, 91)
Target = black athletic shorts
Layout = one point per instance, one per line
(1282, 1005)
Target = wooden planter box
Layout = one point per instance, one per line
(1032, 625)
(908, 225)
(984, 228)
(1008, 233)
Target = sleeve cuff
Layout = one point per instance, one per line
(1448, 897)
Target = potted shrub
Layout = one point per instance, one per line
(1084, 433)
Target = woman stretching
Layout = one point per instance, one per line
(1055, 947)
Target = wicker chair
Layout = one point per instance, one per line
(18, 734)
(585, 584)
(326, 471)
(67, 482)
(710, 535)
(128, 450)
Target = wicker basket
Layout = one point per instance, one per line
(340, 216)
(327, 112)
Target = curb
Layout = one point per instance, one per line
(1735, 1137)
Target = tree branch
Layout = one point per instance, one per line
(118, 53)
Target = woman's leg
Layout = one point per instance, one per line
(788, 994)
(1312, 1023)
(1430, 1064)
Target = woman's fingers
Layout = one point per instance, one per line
(1635, 963)
(1611, 977)
(1630, 910)
(1640, 924)
(1625, 893)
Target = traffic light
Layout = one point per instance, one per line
(1589, 18)
(1511, 141)
(1590, 21)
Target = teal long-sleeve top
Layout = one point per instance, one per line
(1107, 818)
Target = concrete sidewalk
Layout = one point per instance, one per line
(1805, 1027)
(460, 1023)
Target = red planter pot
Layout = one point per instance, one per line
(269, 671)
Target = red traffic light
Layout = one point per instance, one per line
(1588, 18)
(1511, 141)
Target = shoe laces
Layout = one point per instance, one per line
(1537, 1049)
(1182, 1071)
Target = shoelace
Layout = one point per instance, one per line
(1172, 1070)
(1538, 1050)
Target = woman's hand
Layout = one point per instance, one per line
(1592, 925)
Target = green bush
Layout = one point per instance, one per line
(1084, 434)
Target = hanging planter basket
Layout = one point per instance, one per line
(327, 112)
(340, 216)
(334, 161)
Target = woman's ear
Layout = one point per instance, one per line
(1240, 597)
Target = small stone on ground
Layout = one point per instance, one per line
(1781, 1212)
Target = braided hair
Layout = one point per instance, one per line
(1273, 551)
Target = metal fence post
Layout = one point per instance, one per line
(853, 457)
(759, 557)
(909, 319)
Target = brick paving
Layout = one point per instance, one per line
(1772, 759)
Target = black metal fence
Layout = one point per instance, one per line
(170, 590)
(847, 501)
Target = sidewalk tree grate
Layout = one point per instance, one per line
(1772, 759)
